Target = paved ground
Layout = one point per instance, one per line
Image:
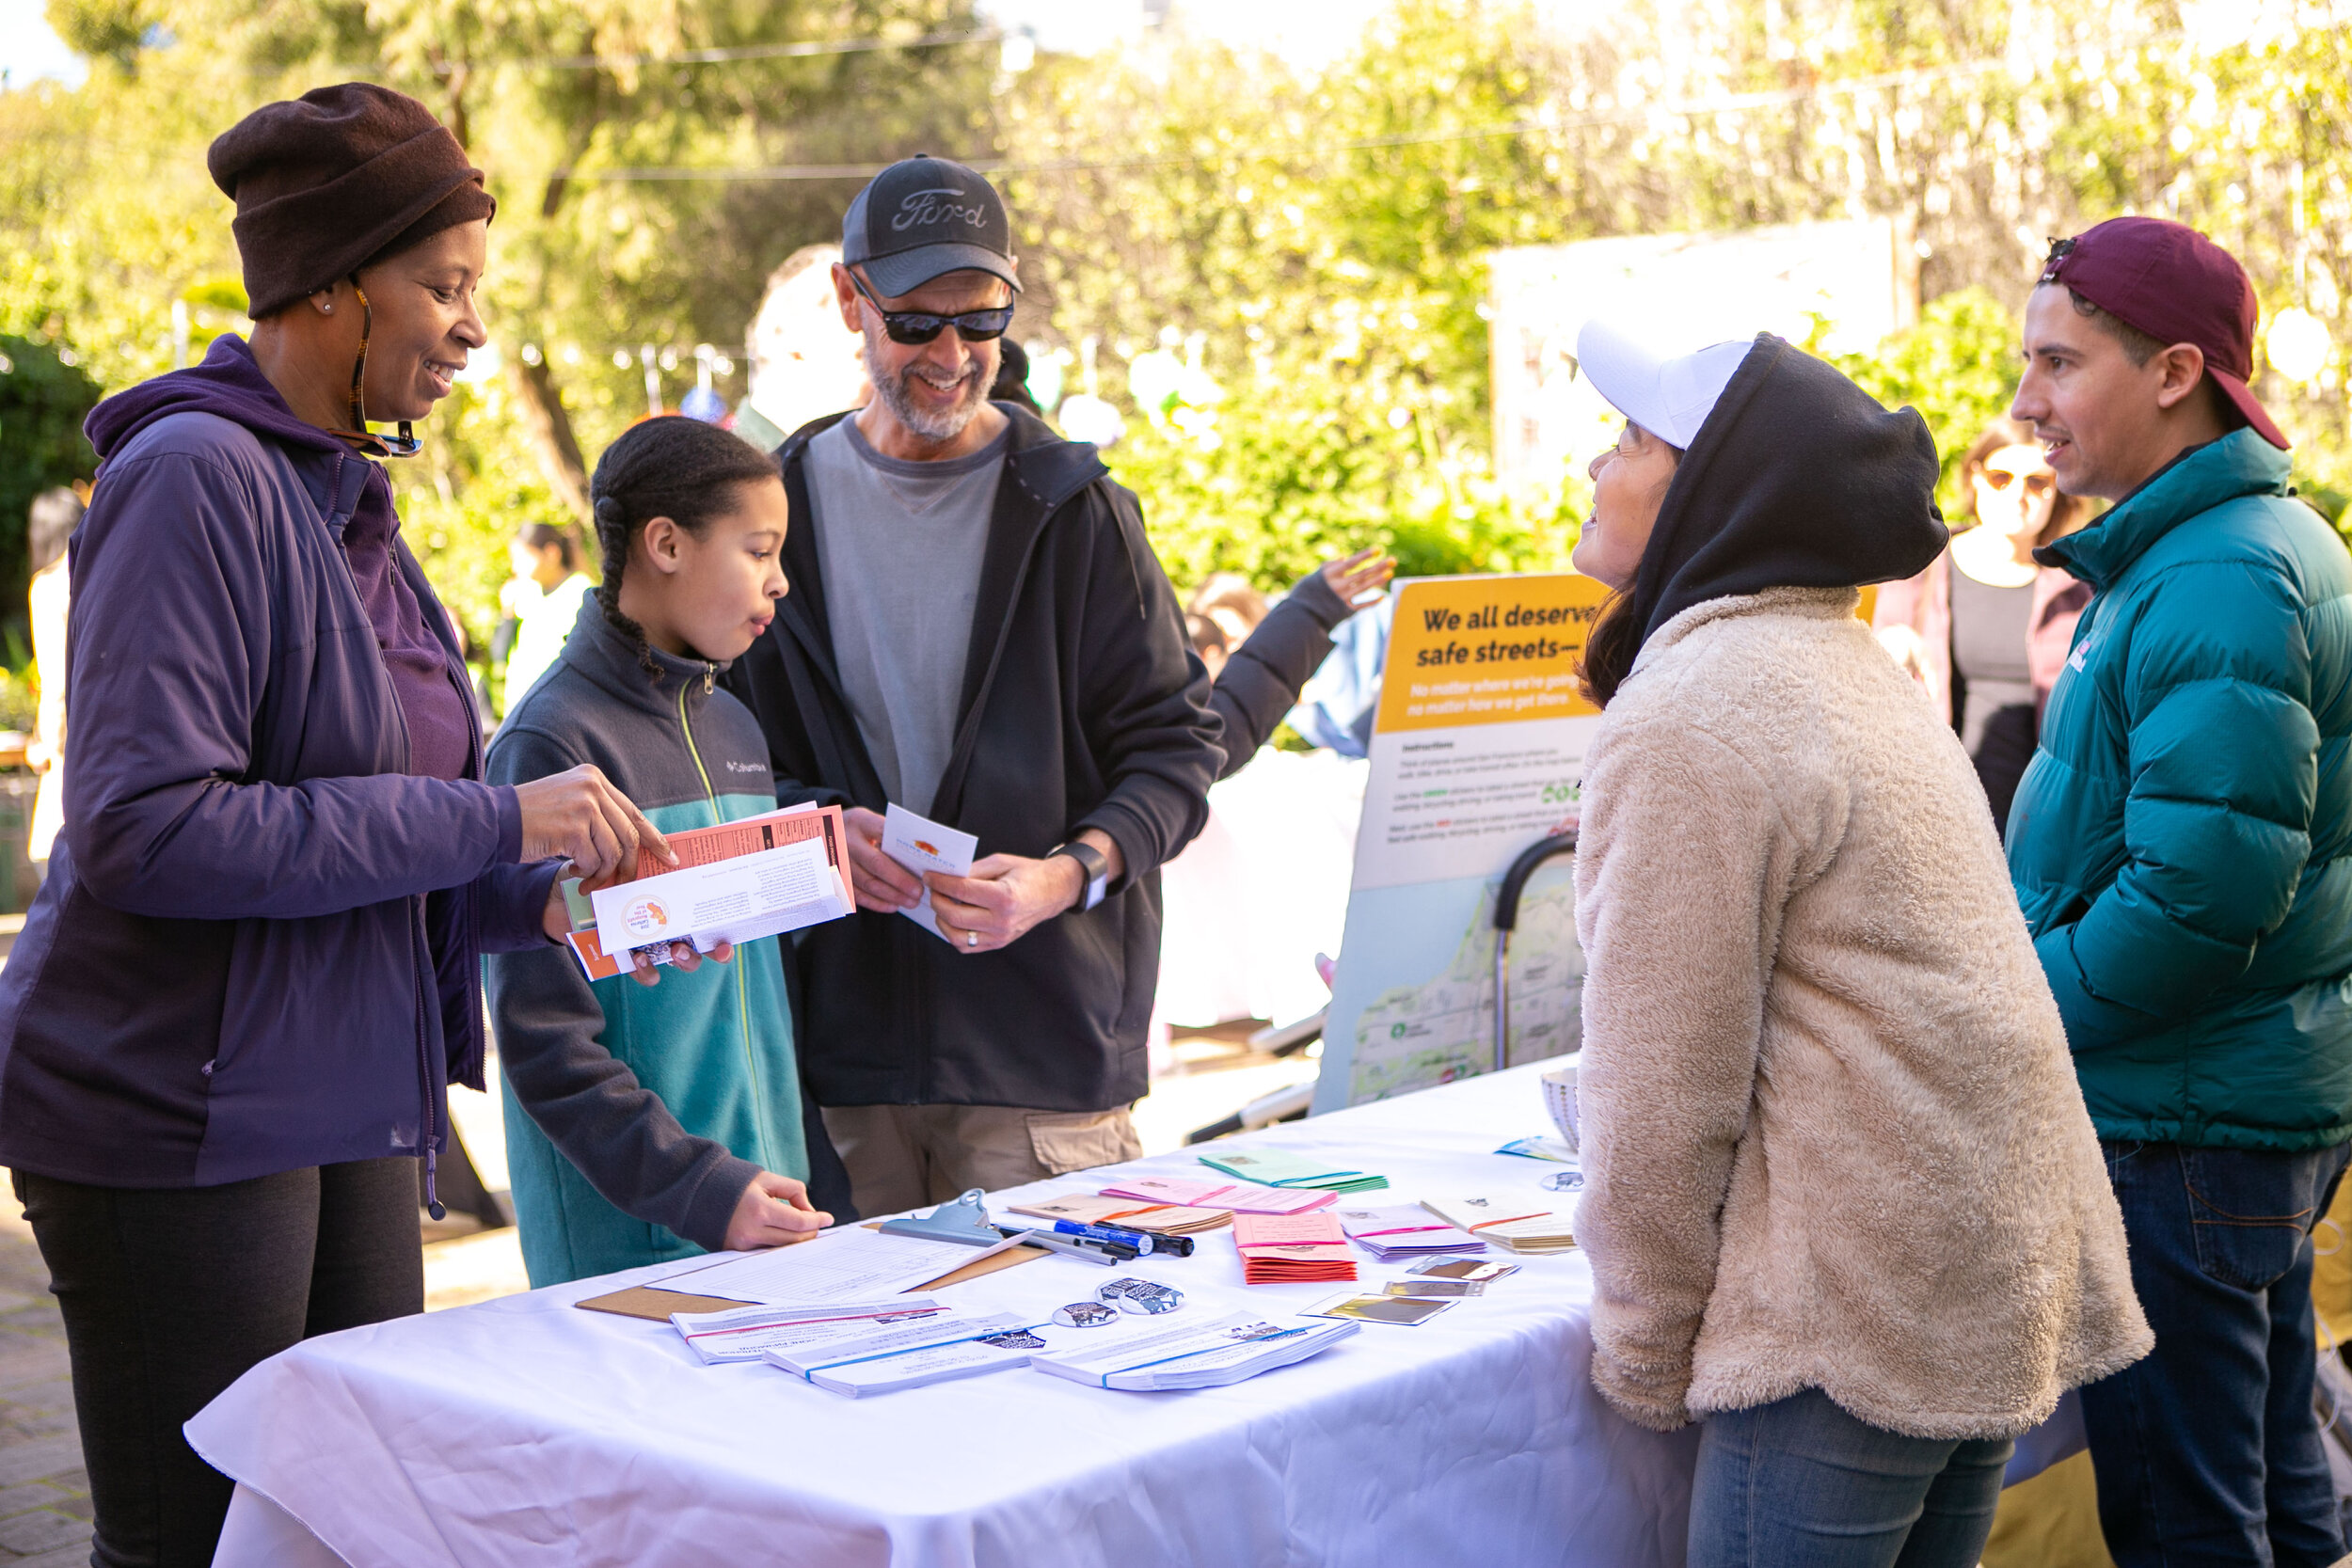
(44, 1502)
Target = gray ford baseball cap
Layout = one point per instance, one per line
(922, 218)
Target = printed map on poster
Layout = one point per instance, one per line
(1477, 752)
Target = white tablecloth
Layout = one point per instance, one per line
(523, 1431)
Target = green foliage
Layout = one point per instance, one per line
(20, 696)
(462, 499)
(103, 29)
(1315, 242)
(1958, 366)
(44, 396)
(107, 216)
(1336, 291)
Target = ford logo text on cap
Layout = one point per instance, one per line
(922, 218)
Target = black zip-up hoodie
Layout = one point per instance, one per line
(1082, 707)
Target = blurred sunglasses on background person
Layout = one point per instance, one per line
(2037, 484)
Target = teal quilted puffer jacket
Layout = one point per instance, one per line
(2183, 841)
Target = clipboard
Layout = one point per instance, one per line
(655, 1305)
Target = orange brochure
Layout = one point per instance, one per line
(1278, 1249)
(704, 847)
(750, 835)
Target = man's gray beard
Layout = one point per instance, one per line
(930, 426)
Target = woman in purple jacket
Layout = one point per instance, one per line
(227, 1031)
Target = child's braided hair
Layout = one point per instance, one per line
(666, 466)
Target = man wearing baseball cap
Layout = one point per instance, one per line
(978, 632)
(2182, 844)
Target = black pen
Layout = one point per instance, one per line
(1093, 1252)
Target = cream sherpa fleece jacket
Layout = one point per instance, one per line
(1831, 1128)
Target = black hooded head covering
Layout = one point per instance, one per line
(1798, 478)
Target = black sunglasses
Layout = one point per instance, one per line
(921, 326)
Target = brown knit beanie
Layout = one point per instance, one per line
(335, 179)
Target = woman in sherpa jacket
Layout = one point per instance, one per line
(1845, 1200)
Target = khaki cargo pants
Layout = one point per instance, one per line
(902, 1156)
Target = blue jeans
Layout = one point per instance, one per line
(2208, 1451)
(1800, 1483)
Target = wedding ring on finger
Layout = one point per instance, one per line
(971, 939)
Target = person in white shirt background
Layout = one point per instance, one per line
(545, 598)
(55, 515)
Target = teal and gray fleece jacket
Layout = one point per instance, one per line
(2183, 841)
(635, 1115)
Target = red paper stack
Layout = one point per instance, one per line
(1289, 1249)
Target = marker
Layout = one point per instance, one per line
(1135, 1241)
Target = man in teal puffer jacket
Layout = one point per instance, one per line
(2182, 848)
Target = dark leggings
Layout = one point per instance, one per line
(168, 1295)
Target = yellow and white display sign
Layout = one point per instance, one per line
(1477, 752)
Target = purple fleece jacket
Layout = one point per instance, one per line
(258, 946)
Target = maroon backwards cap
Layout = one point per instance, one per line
(2172, 283)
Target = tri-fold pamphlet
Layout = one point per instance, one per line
(1404, 1231)
(1125, 1213)
(1202, 1354)
(1282, 1167)
(749, 1333)
(1286, 1249)
(1241, 1198)
(738, 881)
(922, 845)
(881, 1347)
(910, 1356)
(1509, 1221)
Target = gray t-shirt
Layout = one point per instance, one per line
(900, 545)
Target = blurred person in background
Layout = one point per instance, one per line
(544, 595)
(56, 513)
(804, 364)
(1227, 598)
(1985, 629)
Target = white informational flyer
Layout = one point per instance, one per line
(922, 845)
(739, 899)
(912, 1355)
(849, 1264)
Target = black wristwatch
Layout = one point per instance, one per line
(1091, 861)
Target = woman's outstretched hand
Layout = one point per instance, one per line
(579, 815)
(1353, 576)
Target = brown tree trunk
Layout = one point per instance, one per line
(549, 431)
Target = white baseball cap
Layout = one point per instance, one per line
(1668, 395)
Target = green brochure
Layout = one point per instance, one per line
(1279, 1167)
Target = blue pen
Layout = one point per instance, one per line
(1137, 1240)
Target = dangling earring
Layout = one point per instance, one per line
(403, 445)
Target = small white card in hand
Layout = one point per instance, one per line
(922, 845)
